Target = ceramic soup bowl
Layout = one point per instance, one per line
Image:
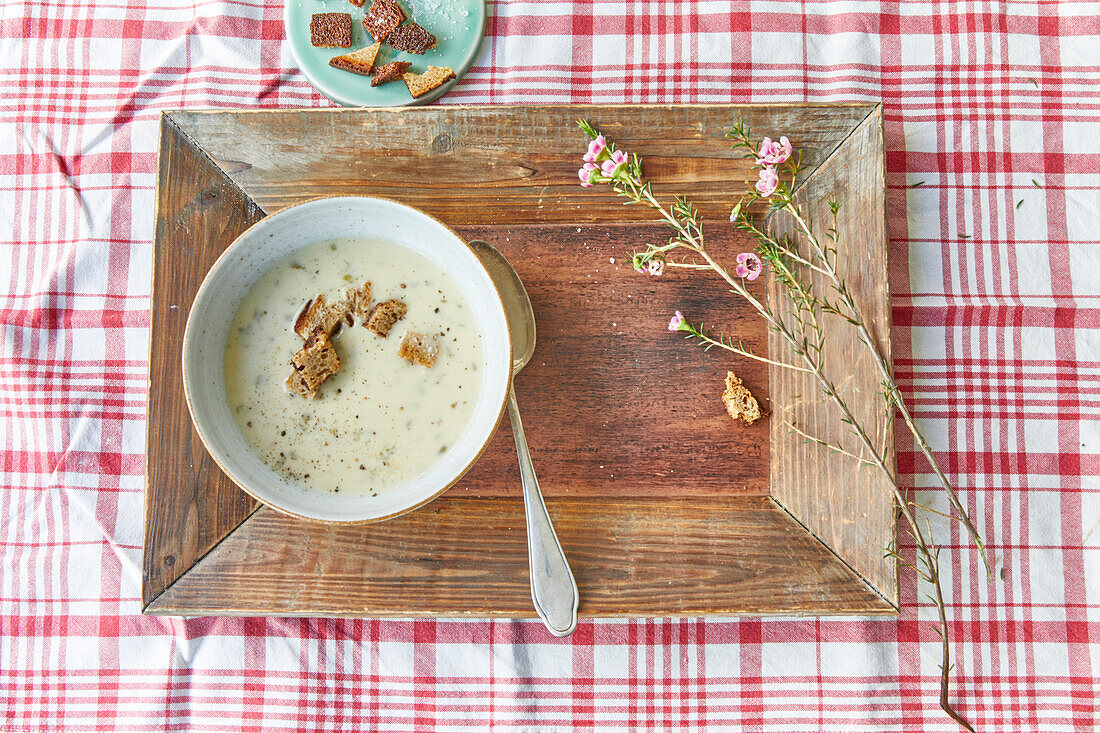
(245, 261)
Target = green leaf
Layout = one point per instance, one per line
(587, 128)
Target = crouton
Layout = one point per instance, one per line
(330, 30)
(383, 18)
(356, 303)
(416, 349)
(315, 362)
(740, 404)
(421, 84)
(411, 38)
(389, 72)
(357, 62)
(316, 314)
(384, 315)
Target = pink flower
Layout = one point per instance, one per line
(677, 322)
(656, 267)
(595, 148)
(768, 182)
(773, 153)
(585, 174)
(748, 266)
(615, 163)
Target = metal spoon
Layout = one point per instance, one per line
(553, 588)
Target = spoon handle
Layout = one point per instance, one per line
(553, 588)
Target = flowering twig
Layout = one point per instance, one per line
(802, 333)
(679, 323)
(823, 259)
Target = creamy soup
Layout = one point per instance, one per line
(380, 420)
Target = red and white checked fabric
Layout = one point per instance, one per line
(993, 137)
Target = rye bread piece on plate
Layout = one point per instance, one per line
(411, 38)
(383, 18)
(390, 72)
(357, 62)
(315, 362)
(416, 349)
(384, 315)
(420, 84)
(330, 30)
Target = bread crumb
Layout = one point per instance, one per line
(389, 72)
(315, 362)
(384, 315)
(330, 30)
(317, 314)
(382, 18)
(416, 349)
(740, 404)
(357, 62)
(356, 302)
(411, 38)
(421, 84)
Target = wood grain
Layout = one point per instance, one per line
(189, 504)
(734, 555)
(499, 165)
(660, 500)
(848, 507)
(614, 404)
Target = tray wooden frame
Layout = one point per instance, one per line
(809, 542)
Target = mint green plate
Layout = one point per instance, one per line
(459, 26)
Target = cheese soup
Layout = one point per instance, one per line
(380, 420)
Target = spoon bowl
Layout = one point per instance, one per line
(517, 304)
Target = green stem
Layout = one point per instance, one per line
(740, 352)
(829, 389)
(899, 400)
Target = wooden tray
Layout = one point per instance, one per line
(663, 504)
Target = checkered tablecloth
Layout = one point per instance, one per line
(993, 156)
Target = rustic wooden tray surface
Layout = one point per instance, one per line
(663, 504)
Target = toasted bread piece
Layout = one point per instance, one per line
(420, 84)
(384, 315)
(356, 3)
(319, 314)
(357, 62)
(740, 404)
(383, 18)
(330, 30)
(416, 349)
(390, 72)
(411, 38)
(315, 362)
(295, 384)
(356, 303)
